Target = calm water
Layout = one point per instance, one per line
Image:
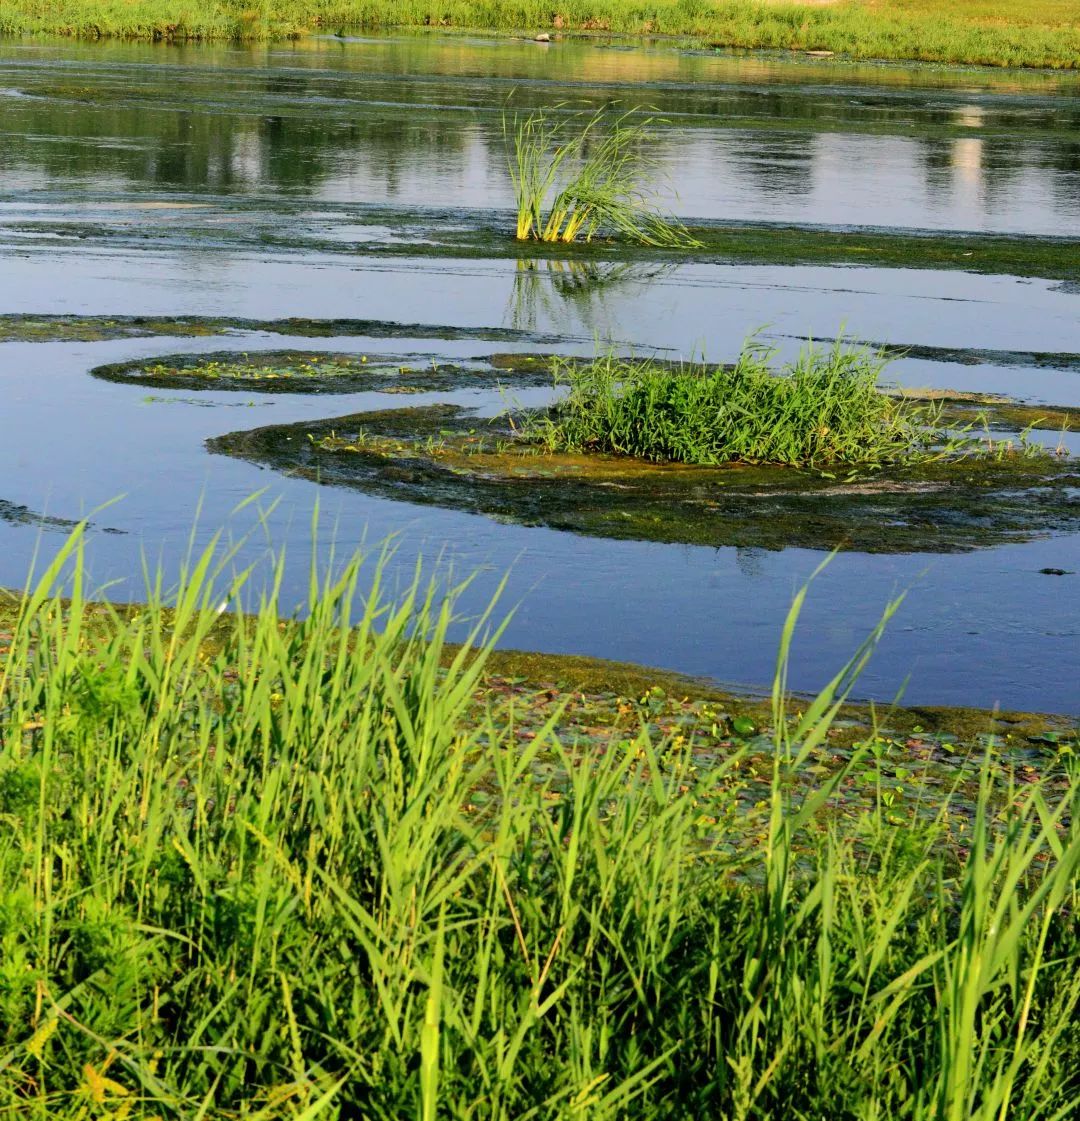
(219, 181)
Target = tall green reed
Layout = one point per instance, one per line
(575, 174)
(264, 865)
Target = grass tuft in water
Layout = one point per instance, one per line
(577, 174)
(824, 408)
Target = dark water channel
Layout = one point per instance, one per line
(223, 182)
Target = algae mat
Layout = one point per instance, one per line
(448, 456)
(291, 371)
(102, 328)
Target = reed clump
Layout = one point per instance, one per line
(825, 408)
(578, 174)
(268, 867)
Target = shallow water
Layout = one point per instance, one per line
(140, 180)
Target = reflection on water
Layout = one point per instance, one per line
(969, 180)
(582, 296)
(418, 122)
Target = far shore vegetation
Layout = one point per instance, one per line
(1005, 33)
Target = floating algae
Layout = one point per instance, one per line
(995, 411)
(974, 356)
(475, 235)
(311, 372)
(99, 328)
(15, 514)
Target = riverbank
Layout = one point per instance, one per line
(276, 867)
(1004, 33)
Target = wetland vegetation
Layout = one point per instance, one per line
(824, 410)
(997, 490)
(264, 861)
(1032, 33)
(484, 237)
(576, 175)
(816, 453)
(270, 866)
(314, 372)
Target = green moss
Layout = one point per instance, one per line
(97, 328)
(1051, 258)
(994, 411)
(491, 237)
(1013, 416)
(768, 243)
(979, 356)
(445, 456)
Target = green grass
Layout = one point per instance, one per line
(823, 410)
(576, 175)
(261, 867)
(985, 32)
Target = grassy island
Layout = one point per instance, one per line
(823, 410)
(813, 454)
(1037, 33)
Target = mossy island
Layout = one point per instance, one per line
(313, 372)
(816, 457)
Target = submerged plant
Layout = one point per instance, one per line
(576, 174)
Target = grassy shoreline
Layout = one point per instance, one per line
(273, 867)
(578, 678)
(1005, 33)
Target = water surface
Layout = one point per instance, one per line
(215, 181)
